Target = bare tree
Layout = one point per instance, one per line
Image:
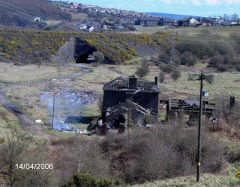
(161, 77)
(235, 17)
(143, 70)
(13, 153)
(87, 158)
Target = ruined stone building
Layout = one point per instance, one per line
(126, 98)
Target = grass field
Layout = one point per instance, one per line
(27, 95)
(53, 22)
(187, 31)
(225, 83)
(14, 73)
(80, 16)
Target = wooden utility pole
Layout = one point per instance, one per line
(199, 129)
(209, 78)
(53, 111)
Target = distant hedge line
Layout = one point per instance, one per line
(36, 46)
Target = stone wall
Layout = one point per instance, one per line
(66, 53)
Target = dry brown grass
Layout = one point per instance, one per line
(15, 73)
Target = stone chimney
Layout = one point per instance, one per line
(132, 82)
(156, 80)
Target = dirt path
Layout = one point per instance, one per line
(27, 123)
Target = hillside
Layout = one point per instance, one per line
(21, 13)
(32, 46)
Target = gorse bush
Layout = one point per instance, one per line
(83, 180)
(35, 46)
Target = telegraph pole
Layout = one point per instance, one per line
(209, 78)
(199, 128)
(172, 53)
(53, 111)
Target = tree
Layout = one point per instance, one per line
(13, 153)
(188, 58)
(235, 17)
(98, 56)
(161, 77)
(176, 75)
(143, 70)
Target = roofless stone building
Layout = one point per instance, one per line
(123, 95)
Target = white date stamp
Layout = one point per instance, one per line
(34, 166)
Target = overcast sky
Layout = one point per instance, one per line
(185, 7)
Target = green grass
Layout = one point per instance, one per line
(27, 98)
(206, 180)
(90, 110)
(225, 83)
(80, 16)
(186, 31)
(147, 30)
(136, 59)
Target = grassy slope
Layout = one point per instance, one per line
(22, 12)
(7, 121)
(207, 180)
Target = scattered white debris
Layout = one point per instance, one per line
(38, 121)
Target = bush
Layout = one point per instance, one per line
(215, 61)
(176, 74)
(188, 58)
(197, 47)
(98, 56)
(150, 119)
(143, 70)
(83, 180)
(2, 140)
(237, 66)
(163, 152)
(164, 58)
(161, 77)
(168, 68)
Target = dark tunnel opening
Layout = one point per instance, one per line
(83, 59)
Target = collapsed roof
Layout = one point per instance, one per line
(131, 84)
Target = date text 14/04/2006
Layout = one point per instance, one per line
(34, 166)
